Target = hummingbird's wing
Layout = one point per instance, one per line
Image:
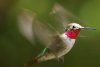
(31, 26)
(25, 20)
(43, 31)
(62, 17)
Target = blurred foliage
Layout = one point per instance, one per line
(15, 50)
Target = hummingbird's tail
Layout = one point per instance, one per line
(36, 60)
(40, 58)
(32, 62)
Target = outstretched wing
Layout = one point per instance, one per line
(62, 17)
(31, 26)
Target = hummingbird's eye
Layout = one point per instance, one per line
(73, 26)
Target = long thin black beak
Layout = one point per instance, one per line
(89, 28)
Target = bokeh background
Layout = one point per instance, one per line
(16, 50)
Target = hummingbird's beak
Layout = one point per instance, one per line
(88, 28)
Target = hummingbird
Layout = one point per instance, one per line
(58, 41)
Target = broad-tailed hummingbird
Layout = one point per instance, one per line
(58, 40)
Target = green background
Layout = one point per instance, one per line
(15, 50)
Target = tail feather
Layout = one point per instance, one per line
(38, 59)
(35, 60)
(32, 62)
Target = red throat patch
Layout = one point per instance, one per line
(73, 33)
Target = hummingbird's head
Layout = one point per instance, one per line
(73, 30)
(76, 26)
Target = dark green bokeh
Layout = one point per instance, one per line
(15, 50)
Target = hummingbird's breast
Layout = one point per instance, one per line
(69, 42)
